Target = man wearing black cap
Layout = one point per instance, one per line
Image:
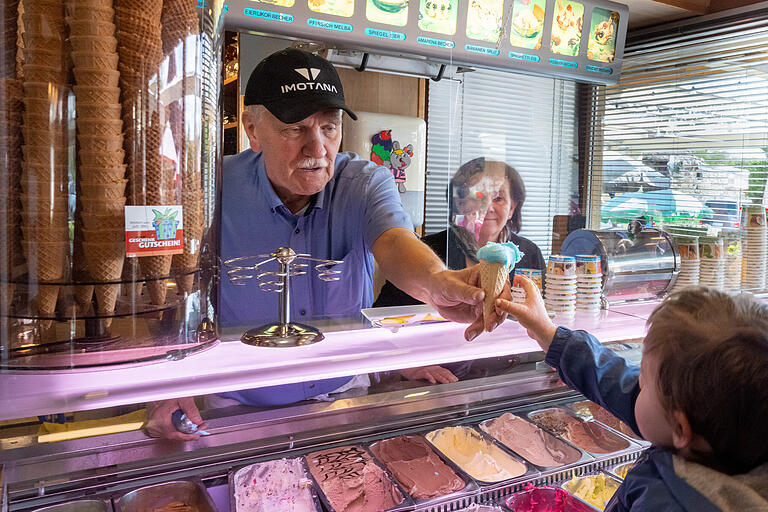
(294, 189)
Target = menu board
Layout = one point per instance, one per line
(578, 39)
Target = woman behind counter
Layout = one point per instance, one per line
(477, 185)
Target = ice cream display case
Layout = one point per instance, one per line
(109, 136)
(439, 448)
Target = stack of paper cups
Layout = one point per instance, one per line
(688, 247)
(732, 242)
(754, 247)
(589, 282)
(534, 274)
(712, 254)
(560, 284)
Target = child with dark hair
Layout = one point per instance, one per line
(700, 396)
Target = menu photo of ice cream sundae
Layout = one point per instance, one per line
(567, 27)
(438, 16)
(527, 23)
(602, 35)
(484, 19)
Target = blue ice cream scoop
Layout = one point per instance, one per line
(506, 253)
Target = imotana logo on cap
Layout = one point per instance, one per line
(311, 75)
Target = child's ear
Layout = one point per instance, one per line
(682, 434)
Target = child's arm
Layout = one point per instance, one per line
(582, 362)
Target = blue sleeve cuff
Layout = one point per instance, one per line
(557, 347)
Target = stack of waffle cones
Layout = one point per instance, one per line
(9, 19)
(179, 21)
(44, 178)
(150, 180)
(11, 255)
(101, 183)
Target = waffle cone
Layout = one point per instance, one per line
(101, 159)
(44, 74)
(105, 263)
(43, 188)
(83, 295)
(43, 57)
(97, 77)
(93, 44)
(93, 111)
(156, 266)
(105, 61)
(43, 24)
(41, 121)
(104, 144)
(101, 207)
(493, 276)
(93, 28)
(85, 13)
(35, 137)
(46, 260)
(45, 155)
(101, 174)
(58, 173)
(91, 94)
(47, 295)
(44, 207)
(103, 190)
(185, 264)
(106, 298)
(114, 236)
(100, 222)
(100, 127)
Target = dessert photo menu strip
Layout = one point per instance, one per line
(577, 39)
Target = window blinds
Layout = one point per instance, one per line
(528, 122)
(682, 138)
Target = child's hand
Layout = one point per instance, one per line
(531, 314)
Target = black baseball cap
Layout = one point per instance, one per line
(293, 84)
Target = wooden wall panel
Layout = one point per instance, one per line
(383, 93)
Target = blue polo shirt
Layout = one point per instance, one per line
(357, 205)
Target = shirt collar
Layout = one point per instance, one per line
(271, 197)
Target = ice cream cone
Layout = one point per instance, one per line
(105, 144)
(91, 94)
(94, 175)
(83, 295)
(102, 190)
(493, 276)
(93, 28)
(101, 207)
(43, 24)
(105, 61)
(47, 295)
(85, 13)
(46, 260)
(90, 158)
(93, 44)
(51, 74)
(105, 263)
(156, 266)
(97, 77)
(89, 111)
(94, 222)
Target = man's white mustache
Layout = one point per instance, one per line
(312, 163)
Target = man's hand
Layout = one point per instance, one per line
(159, 422)
(456, 294)
(532, 314)
(432, 374)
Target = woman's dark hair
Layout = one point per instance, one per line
(459, 182)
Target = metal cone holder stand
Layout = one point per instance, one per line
(283, 333)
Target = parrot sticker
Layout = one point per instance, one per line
(387, 152)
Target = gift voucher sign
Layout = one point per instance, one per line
(153, 230)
